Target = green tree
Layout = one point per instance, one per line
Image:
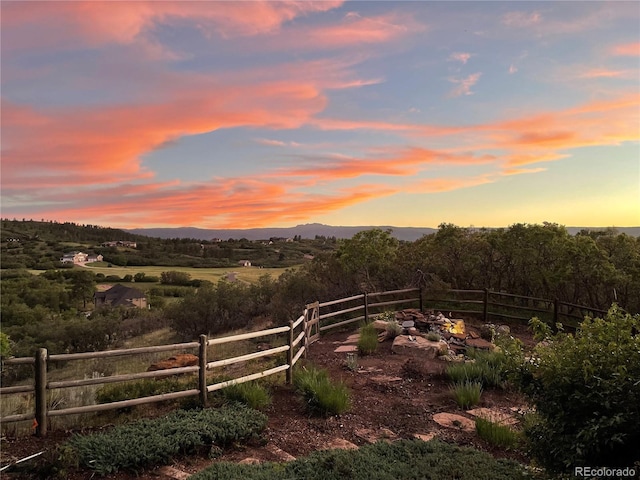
(83, 286)
(368, 254)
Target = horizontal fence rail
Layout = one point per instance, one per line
(301, 333)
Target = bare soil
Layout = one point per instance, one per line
(393, 396)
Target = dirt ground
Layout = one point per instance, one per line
(393, 396)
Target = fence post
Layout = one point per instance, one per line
(485, 306)
(556, 311)
(41, 392)
(202, 373)
(366, 307)
(290, 355)
(306, 333)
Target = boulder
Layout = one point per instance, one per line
(418, 347)
(177, 361)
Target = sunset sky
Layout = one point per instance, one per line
(271, 114)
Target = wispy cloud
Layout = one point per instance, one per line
(512, 69)
(521, 19)
(464, 84)
(627, 49)
(461, 57)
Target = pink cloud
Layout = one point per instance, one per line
(460, 57)
(464, 85)
(627, 49)
(62, 24)
(521, 19)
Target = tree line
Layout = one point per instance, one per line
(593, 268)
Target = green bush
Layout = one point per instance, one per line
(486, 369)
(321, 395)
(368, 341)
(467, 394)
(156, 441)
(586, 392)
(433, 337)
(252, 394)
(404, 459)
(498, 435)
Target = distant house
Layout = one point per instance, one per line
(244, 263)
(80, 257)
(120, 243)
(120, 296)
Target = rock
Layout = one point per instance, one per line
(458, 422)
(425, 437)
(174, 473)
(250, 461)
(339, 444)
(177, 361)
(494, 416)
(372, 436)
(418, 347)
(379, 325)
(480, 343)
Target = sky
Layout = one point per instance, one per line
(243, 114)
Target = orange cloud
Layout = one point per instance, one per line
(61, 24)
(627, 49)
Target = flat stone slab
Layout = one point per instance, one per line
(425, 437)
(346, 349)
(174, 473)
(372, 436)
(339, 444)
(494, 416)
(279, 453)
(480, 343)
(457, 422)
(250, 461)
(419, 347)
(353, 338)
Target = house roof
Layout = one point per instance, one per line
(119, 295)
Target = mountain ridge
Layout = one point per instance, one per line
(310, 230)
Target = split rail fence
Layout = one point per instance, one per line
(300, 334)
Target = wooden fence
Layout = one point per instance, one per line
(317, 317)
(488, 305)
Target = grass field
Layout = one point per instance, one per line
(246, 274)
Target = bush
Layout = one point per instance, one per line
(403, 459)
(498, 435)
(368, 341)
(467, 394)
(252, 394)
(587, 395)
(433, 337)
(486, 369)
(322, 397)
(157, 441)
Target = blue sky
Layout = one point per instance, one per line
(253, 114)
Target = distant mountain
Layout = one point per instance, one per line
(310, 230)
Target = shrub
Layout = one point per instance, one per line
(368, 341)
(496, 434)
(433, 337)
(252, 394)
(156, 441)
(322, 397)
(486, 369)
(403, 459)
(586, 392)
(393, 329)
(467, 394)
